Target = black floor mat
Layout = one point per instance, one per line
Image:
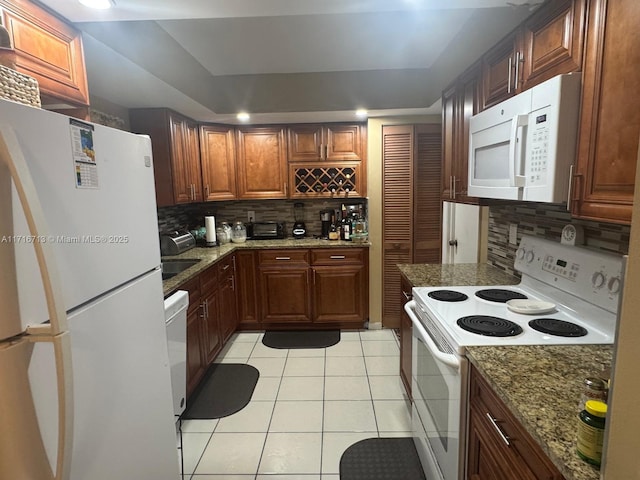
(225, 389)
(381, 459)
(301, 339)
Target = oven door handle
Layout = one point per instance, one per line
(446, 358)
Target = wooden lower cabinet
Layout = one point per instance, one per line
(406, 334)
(284, 294)
(498, 447)
(212, 338)
(228, 311)
(337, 296)
(247, 288)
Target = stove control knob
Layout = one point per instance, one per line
(520, 253)
(598, 279)
(530, 256)
(614, 285)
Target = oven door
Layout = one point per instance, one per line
(438, 388)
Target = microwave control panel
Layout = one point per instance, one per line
(539, 151)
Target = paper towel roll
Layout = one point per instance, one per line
(210, 225)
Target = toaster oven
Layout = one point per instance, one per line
(265, 230)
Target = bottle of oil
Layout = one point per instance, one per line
(333, 229)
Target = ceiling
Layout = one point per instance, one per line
(284, 60)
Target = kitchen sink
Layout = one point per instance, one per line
(171, 268)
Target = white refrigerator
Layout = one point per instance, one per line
(85, 389)
(464, 233)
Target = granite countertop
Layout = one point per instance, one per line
(210, 255)
(541, 385)
(436, 274)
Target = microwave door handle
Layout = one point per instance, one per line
(446, 358)
(517, 179)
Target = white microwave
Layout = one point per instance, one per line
(524, 147)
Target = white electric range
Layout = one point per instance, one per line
(567, 295)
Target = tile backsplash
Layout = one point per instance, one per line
(192, 215)
(545, 220)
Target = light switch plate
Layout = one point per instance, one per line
(513, 233)
(251, 216)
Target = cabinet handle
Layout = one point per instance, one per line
(204, 311)
(283, 258)
(320, 152)
(206, 192)
(337, 257)
(326, 152)
(206, 306)
(232, 280)
(519, 59)
(510, 67)
(493, 421)
(406, 295)
(225, 267)
(570, 188)
(286, 189)
(453, 190)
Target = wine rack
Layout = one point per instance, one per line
(340, 180)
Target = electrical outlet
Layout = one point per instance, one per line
(251, 216)
(513, 233)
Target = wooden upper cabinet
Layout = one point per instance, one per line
(603, 186)
(47, 49)
(332, 142)
(218, 159)
(176, 154)
(498, 67)
(459, 103)
(262, 162)
(548, 43)
(553, 40)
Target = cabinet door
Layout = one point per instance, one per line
(247, 287)
(305, 143)
(498, 68)
(228, 308)
(468, 99)
(337, 293)
(285, 294)
(195, 361)
(343, 142)
(218, 158)
(211, 336)
(182, 185)
(406, 333)
(553, 40)
(604, 181)
(192, 158)
(48, 49)
(262, 163)
(397, 219)
(449, 146)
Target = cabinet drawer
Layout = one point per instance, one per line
(209, 280)
(226, 268)
(193, 287)
(338, 256)
(283, 257)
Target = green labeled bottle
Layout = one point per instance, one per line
(591, 431)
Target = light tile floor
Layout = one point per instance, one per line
(309, 405)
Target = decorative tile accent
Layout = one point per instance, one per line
(545, 220)
(192, 215)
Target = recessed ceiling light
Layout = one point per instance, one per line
(98, 4)
(361, 112)
(243, 116)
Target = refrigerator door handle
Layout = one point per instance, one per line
(12, 161)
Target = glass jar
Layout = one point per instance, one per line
(593, 388)
(239, 233)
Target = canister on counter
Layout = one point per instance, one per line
(591, 422)
(593, 388)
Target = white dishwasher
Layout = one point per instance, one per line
(175, 315)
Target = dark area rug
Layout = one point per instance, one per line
(225, 389)
(301, 338)
(381, 459)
